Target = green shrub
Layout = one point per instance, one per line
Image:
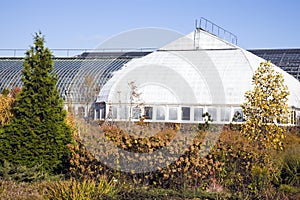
(290, 172)
(16, 173)
(259, 178)
(161, 193)
(288, 189)
(246, 168)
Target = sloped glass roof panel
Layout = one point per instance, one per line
(71, 73)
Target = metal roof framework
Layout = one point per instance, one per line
(286, 59)
(71, 73)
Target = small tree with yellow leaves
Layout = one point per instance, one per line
(7, 101)
(265, 108)
(6, 114)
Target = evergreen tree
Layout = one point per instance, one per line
(266, 108)
(38, 134)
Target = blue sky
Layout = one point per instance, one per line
(87, 23)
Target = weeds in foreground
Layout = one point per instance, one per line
(86, 189)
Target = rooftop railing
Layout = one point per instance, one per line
(73, 52)
(216, 30)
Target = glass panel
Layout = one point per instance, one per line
(81, 111)
(97, 114)
(213, 113)
(123, 112)
(225, 114)
(102, 113)
(115, 112)
(237, 115)
(110, 113)
(172, 113)
(198, 112)
(294, 117)
(136, 113)
(148, 112)
(186, 113)
(160, 113)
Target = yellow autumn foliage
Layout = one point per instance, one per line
(6, 114)
(266, 108)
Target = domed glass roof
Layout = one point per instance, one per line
(212, 71)
(198, 70)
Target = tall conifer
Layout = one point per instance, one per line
(38, 134)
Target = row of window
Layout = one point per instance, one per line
(173, 113)
(170, 113)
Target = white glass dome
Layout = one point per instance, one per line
(194, 74)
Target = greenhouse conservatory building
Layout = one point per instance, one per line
(195, 74)
(198, 73)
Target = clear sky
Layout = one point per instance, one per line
(87, 23)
